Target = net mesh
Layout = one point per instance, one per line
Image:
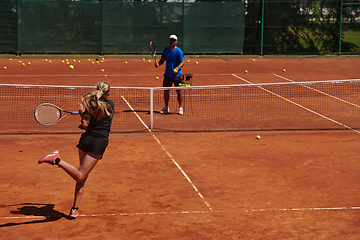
(331, 105)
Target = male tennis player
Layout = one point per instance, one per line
(175, 60)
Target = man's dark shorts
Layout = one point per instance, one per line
(168, 81)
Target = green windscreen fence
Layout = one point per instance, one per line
(119, 27)
(8, 26)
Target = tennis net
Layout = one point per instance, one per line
(320, 105)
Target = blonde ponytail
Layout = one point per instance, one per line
(95, 101)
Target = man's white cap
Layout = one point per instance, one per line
(173, 36)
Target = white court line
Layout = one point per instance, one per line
(171, 157)
(301, 106)
(196, 212)
(326, 94)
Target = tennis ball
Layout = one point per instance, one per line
(67, 60)
(157, 78)
(29, 63)
(74, 60)
(97, 62)
(102, 58)
(10, 59)
(92, 63)
(45, 60)
(102, 70)
(246, 71)
(175, 71)
(143, 59)
(126, 62)
(50, 61)
(253, 60)
(188, 61)
(71, 67)
(23, 64)
(284, 70)
(19, 61)
(102, 61)
(62, 61)
(89, 60)
(197, 63)
(149, 61)
(258, 137)
(79, 61)
(5, 68)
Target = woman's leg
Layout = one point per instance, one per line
(79, 186)
(87, 163)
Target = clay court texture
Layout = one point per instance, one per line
(184, 185)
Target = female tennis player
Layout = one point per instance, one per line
(96, 112)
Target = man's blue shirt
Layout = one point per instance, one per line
(173, 59)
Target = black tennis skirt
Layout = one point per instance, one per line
(93, 143)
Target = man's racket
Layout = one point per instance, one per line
(49, 114)
(153, 50)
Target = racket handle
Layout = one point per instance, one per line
(76, 112)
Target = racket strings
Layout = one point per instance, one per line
(47, 114)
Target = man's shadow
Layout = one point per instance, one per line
(37, 210)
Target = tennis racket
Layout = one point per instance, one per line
(49, 114)
(153, 50)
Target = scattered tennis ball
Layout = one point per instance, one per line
(89, 60)
(71, 67)
(50, 61)
(253, 60)
(102, 58)
(45, 60)
(74, 60)
(92, 63)
(29, 63)
(197, 63)
(157, 78)
(102, 61)
(143, 59)
(188, 61)
(126, 62)
(175, 71)
(62, 61)
(97, 62)
(149, 61)
(19, 61)
(5, 68)
(67, 63)
(10, 59)
(23, 64)
(102, 70)
(284, 70)
(246, 71)
(67, 60)
(258, 137)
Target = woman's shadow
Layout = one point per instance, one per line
(37, 210)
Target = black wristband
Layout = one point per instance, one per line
(57, 160)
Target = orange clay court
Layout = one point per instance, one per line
(172, 185)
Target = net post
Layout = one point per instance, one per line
(151, 108)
